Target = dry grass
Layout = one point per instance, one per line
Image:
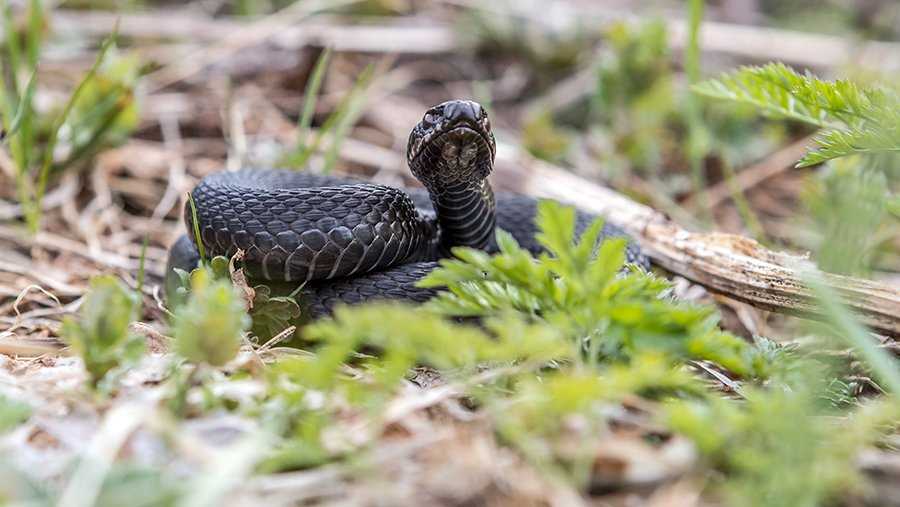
(237, 104)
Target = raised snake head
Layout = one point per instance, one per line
(452, 146)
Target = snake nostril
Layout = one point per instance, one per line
(462, 110)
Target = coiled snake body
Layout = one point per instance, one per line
(349, 241)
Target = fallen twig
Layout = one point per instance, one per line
(735, 266)
(773, 165)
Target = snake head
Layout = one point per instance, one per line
(452, 145)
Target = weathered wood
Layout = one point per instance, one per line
(735, 266)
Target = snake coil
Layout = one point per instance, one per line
(350, 241)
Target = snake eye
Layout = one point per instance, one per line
(429, 118)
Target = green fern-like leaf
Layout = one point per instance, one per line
(585, 290)
(781, 91)
(858, 120)
(838, 143)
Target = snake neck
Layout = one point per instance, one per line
(465, 215)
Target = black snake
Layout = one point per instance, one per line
(350, 241)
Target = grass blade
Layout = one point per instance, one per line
(13, 48)
(23, 106)
(44, 174)
(848, 329)
(35, 32)
(348, 112)
(196, 229)
(311, 96)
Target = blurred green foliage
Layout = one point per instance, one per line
(12, 413)
(209, 327)
(856, 120)
(846, 205)
(859, 140)
(778, 448)
(576, 287)
(99, 113)
(640, 119)
(550, 49)
(100, 335)
(273, 307)
(871, 19)
(635, 98)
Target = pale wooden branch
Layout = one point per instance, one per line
(735, 266)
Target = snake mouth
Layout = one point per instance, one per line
(464, 152)
(459, 122)
(458, 150)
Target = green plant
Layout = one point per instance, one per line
(308, 395)
(12, 413)
(543, 138)
(560, 336)
(209, 327)
(698, 139)
(860, 125)
(272, 307)
(634, 98)
(778, 448)
(846, 330)
(100, 335)
(501, 29)
(336, 126)
(847, 205)
(578, 288)
(100, 110)
(795, 442)
(854, 119)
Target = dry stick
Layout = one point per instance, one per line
(45, 239)
(773, 165)
(749, 42)
(732, 265)
(249, 35)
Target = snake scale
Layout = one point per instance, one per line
(349, 241)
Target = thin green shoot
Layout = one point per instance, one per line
(111, 109)
(21, 110)
(337, 124)
(61, 119)
(349, 112)
(195, 224)
(14, 49)
(698, 138)
(748, 216)
(34, 32)
(311, 95)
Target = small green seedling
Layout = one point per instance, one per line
(100, 334)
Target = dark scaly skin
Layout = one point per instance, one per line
(351, 242)
(297, 227)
